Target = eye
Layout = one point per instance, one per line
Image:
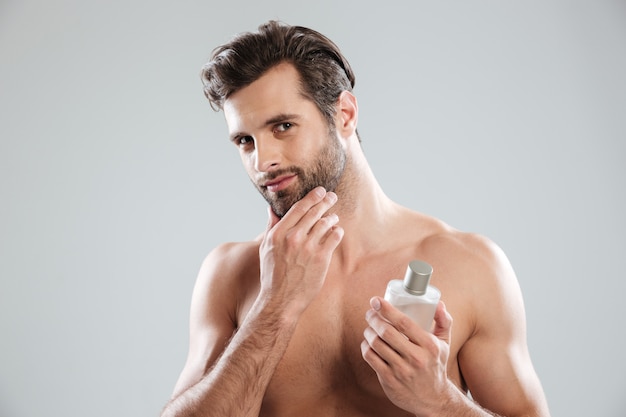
(283, 127)
(243, 140)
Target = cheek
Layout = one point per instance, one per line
(247, 159)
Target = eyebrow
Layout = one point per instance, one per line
(282, 117)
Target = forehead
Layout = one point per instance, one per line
(275, 92)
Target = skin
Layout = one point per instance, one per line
(293, 322)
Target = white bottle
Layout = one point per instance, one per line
(413, 296)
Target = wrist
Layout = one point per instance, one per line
(287, 306)
(276, 311)
(451, 403)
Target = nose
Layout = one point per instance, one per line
(268, 154)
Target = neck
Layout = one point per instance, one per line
(365, 212)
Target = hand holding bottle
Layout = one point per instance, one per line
(410, 362)
(413, 296)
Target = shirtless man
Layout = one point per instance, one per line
(293, 322)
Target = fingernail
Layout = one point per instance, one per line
(375, 303)
(320, 191)
(332, 197)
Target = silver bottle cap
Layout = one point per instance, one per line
(417, 277)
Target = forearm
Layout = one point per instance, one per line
(236, 383)
(461, 405)
(458, 404)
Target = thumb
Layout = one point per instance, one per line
(272, 218)
(443, 323)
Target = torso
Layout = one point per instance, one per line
(322, 372)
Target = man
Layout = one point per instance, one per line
(293, 323)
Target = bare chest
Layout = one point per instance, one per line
(323, 366)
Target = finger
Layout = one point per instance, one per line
(302, 207)
(443, 323)
(386, 330)
(379, 346)
(306, 215)
(323, 226)
(332, 239)
(323, 238)
(372, 358)
(272, 218)
(326, 233)
(316, 212)
(401, 321)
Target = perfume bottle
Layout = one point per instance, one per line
(413, 296)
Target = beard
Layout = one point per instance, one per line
(326, 170)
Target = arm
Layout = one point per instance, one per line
(229, 378)
(494, 360)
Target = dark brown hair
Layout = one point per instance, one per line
(324, 71)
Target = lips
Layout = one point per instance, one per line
(279, 183)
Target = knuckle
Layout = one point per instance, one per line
(335, 236)
(415, 359)
(402, 372)
(294, 237)
(321, 207)
(430, 346)
(299, 209)
(375, 342)
(403, 323)
(386, 332)
(317, 256)
(326, 221)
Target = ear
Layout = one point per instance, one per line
(347, 114)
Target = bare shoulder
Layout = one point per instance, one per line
(227, 276)
(474, 273)
(475, 254)
(228, 263)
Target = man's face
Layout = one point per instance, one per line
(323, 169)
(284, 141)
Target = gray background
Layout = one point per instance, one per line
(116, 178)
